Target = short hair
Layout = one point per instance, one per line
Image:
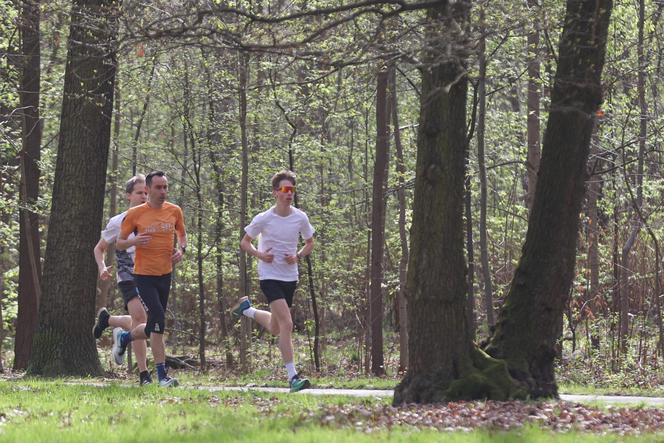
(148, 178)
(282, 175)
(132, 182)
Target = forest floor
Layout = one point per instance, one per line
(78, 410)
(223, 404)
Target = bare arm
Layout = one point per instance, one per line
(247, 245)
(99, 250)
(307, 248)
(182, 245)
(124, 243)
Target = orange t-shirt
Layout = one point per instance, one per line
(154, 258)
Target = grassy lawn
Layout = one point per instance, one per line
(53, 411)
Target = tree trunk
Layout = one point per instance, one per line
(443, 364)
(530, 322)
(214, 142)
(144, 111)
(594, 190)
(63, 344)
(378, 224)
(534, 152)
(29, 286)
(487, 295)
(403, 234)
(104, 286)
(243, 74)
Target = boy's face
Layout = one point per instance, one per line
(285, 193)
(138, 196)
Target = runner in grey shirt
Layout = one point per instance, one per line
(136, 194)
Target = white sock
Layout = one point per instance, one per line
(290, 367)
(250, 312)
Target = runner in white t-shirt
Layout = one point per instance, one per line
(136, 195)
(278, 231)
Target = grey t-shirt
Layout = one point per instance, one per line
(125, 259)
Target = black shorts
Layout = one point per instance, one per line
(129, 290)
(153, 290)
(277, 289)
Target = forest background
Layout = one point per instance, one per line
(221, 102)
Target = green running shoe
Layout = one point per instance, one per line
(297, 384)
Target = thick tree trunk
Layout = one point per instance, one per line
(530, 323)
(29, 286)
(63, 344)
(443, 364)
(378, 225)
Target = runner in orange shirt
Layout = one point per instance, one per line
(153, 224)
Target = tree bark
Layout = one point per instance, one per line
(443, 363)
(214, 141)
(534, 151)
(403, 235)
(243, 74)
(487, 294)
(530, 322)
(29, 286)
(378, 224)
(63, 344)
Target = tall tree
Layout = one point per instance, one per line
(403, 236)
(243, 76)
(378, 223)
(443, 363)
(487, 294)
(530, 322)
(29, 287)
(63, 344)
(533, 131)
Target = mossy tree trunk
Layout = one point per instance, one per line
(530, 322)
(63, 344)
(443, 362)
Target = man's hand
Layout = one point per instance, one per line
(105, 272)
(266, 256)
(177, 256)
(292, 259)
(142, 239)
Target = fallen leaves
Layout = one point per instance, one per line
(491, 415)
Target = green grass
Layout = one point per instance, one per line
(570, 388)
(55, 410)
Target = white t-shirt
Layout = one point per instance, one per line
(281, 234)
(125, 259)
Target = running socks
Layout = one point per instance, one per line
(125, 339)
(290, 367)
(250, 312)
(161, 370)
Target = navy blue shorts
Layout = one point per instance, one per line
(277, 289)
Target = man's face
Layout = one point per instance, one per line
(139, 195)
(285, 192)
(158, 190)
